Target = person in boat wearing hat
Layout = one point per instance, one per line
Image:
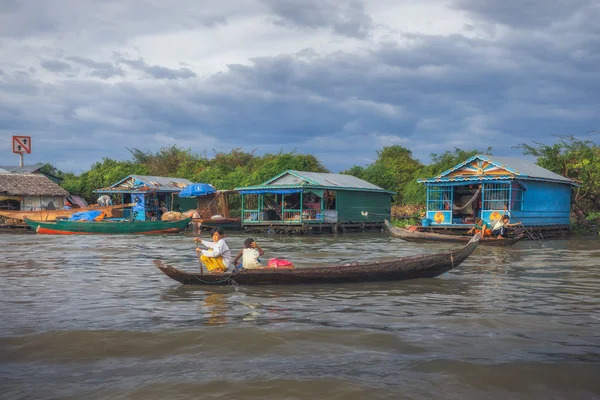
(217, 258)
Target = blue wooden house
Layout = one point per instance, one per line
(149, 194)
(483, 186)
(312, 201)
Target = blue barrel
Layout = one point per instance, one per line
(426, 222)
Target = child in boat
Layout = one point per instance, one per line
(217, 258)
(249, 255)
(500, 228)
(480, 227)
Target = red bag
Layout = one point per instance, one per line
(280, 263)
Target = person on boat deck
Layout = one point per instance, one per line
(249, 255)
(217, 258)
(480, 227)
(500, 228)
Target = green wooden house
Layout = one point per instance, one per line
(312, 201)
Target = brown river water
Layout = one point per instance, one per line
(89, 317)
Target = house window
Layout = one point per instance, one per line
(516, 201)
(495, 196)
(439, 198)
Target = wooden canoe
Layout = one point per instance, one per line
(417, 236)
(63, 227)
(51, 215)
(421, 266)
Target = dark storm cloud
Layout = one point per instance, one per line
(157, 71)
(527, 14)
(437, 94)
(344, 18)
(108, 20)
(102, 70)
(429, 93)
(56, 65)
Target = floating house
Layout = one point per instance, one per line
(483, 186)
(151, 195)
(35, 169)
(311, 201)
(29, 192)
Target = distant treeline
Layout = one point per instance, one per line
(394, 169)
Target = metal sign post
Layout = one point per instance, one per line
(21, 145)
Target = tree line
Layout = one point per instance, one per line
(395, 168)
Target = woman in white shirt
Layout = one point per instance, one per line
(217, 258)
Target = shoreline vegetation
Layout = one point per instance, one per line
(394, 169)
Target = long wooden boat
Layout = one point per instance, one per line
(63, 227)
(51, 215)
(417, 236)
(421, 266)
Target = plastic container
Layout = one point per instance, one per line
(426, 222)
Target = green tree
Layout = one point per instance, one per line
(393, 169)
(169, 161)
(100, 175)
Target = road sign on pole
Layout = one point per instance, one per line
(21, 144)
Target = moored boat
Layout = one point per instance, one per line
(418, 236)
(420, 266)
(52, 215)
(64, 227)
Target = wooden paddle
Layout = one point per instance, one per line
(199, 253)
(199, 260)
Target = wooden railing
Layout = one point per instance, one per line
(289, 216)
(251, 216)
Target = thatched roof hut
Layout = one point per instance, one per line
(29, 185)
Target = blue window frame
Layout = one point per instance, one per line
(496, 196)
(439, 198)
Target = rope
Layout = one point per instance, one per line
(229, 278)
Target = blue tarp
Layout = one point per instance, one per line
(85, 215)
(197, 189)
(271, 191)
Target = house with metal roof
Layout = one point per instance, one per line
(150, 195)
(487, 187)
(312, 201)
(29, 169)
(30, 192)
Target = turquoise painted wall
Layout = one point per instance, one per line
(350, 205)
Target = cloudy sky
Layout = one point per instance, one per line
(87, 79)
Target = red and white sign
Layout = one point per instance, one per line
(22, 144)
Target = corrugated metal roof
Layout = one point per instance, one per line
(163, 183)
(318, 180)
(526, 168)
(522, 168)
(134, 183)
(26, 169)
(333, 180)
(29, 185)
